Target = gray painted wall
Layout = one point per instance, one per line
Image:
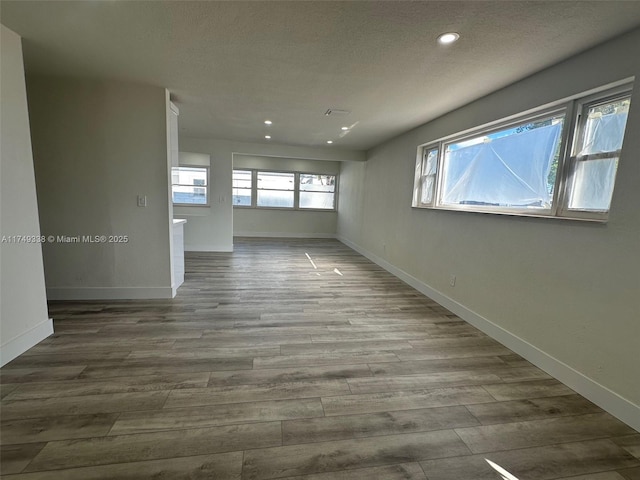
(564, 293)
(23, 303)
(97, 146)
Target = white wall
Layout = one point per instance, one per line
(212, 228)
(285, 223)
(23, 302)
(97, 146)
(562, 293)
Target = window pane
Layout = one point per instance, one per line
(242, 196)
(597, 159)
(189, 175)
(190, 195)
(276, 181)
(509, 168)
(275, 189)
(241, 187)
(428, 177)
(593, 185)
(427, 187)
(430, 163)
(604, 128)
(321, 200)
(317, 183)
(189, 185)
(242, 179)
(275, 198)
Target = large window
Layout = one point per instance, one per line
(560, 162)
(286, 190)
(190, 185)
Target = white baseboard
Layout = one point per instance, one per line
(23, 342)
(108, 293)
(208, 248)
(283, 235)
(608, 400)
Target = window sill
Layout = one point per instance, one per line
(286, 209)
(601, 220)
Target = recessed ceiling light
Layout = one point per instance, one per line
(448, 38)
(268, 122)
(268, 137)
(345, 128)
(329, 141)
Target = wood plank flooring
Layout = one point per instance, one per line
(292, 359)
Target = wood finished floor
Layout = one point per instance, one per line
(294, 359)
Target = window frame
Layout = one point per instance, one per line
(253, 177)
(296, 190)
(293, 190)
(300, 190)
(521, 120)
(574, 109)
(207, 187)
(572, 159)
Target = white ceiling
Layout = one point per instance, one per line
(231, 65)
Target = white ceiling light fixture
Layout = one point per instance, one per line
(268, 122)
(448, 38)
(268, 137)
(344, 129)
(329, 141)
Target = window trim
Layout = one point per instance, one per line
(296, 190)
(335, 192)
(293, 190)
(571, 156)
(573, 109)
(207, 187)
(254, 175)
(547, 113)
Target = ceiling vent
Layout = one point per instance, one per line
(336, 112)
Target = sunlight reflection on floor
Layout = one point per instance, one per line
(503, 473)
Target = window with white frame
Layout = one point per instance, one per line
(286, 190)
(190, 185)
(596, 152)
(242, 190)
(317, 191)
(560, 162)
(275, 189)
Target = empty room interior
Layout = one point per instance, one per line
(320, 240)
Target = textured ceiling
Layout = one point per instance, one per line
(231, 65)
